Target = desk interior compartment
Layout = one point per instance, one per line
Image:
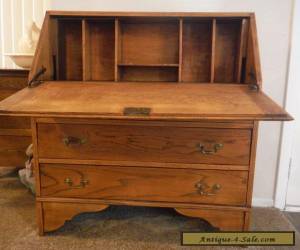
(69, 49)
(196, 50)
(99, 49)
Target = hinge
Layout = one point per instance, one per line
(35, 81)
(253, 86)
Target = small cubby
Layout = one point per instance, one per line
(148, 41)
(99, 49)
(69, 49)
(227, 44)
(197, 50)
(148, 73)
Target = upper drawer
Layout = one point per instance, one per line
(144, 143)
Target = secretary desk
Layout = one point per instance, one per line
(145, 109)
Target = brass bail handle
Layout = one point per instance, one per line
(206, 190)
(70, 183)
(216, 147)
(71, 140)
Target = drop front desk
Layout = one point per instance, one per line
(145, 109)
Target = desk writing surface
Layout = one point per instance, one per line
(165, 101)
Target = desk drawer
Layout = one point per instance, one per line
(10, 122)
(144, 184)
(144, 143)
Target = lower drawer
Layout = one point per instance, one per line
(144, 184)
(13, 150)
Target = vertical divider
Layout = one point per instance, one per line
(117, 48)
(58, 51)
(180, 49)
(85, 51)
(213, 50)
(53, 35)
(242, 49)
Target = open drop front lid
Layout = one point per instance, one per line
(160, 100)
(146, 65)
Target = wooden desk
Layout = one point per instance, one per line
(145, 109)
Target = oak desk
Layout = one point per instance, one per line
(145, 109)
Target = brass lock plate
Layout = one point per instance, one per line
(137, 111)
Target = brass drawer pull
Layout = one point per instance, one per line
(216, 148)
(205, 190)
(71, 140)
(82, 184)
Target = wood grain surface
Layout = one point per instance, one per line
(150, 42)
(15, 134)
(98, 50)
(70, 50)
(223, 220)
(147, 14)
(56, 214)
(197, 43)
(194, 151)
(12, 81)
(226, 54)
(144, 184)
(145, 143)
(12, 150)
(166, 101)
(10, 122)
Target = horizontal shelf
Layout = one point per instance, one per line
(149, 65)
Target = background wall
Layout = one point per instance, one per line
(273, 20)
(14, 16)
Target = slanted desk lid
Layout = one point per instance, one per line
(148, 100)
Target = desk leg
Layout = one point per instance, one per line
(53, 215)
(225, 220)
(39, 217)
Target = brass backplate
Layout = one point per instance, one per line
(137, 111)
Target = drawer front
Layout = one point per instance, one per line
(12, 150)
(144, 184)
(144, 143)
(10, 122)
